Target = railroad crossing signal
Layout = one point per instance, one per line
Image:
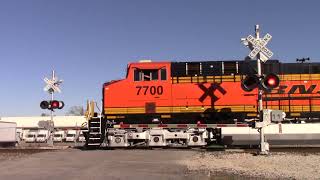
(258, 49)
(258, 46)
(52, 87)
(267, 83)
(54, 104)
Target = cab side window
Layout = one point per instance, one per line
(136, 75)
(145, 74)
(163, 74)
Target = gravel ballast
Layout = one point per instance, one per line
(274, 166)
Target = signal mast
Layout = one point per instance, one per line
(261, 53)
(52, 87)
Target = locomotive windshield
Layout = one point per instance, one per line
(145, 74)
(150, 74)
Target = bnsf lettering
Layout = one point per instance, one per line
(282, 89)
(302, 89)
(153, 90)
(297, 89)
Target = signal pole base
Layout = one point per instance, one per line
(264, 148)
(50, 142)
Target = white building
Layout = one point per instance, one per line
(7, 133)
(34, 123)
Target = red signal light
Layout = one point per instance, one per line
(271, 81)
(54, 104)
(267, 82)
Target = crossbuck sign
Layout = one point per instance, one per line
(258, 46)
(52, 84)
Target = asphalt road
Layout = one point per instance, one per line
(99, 164)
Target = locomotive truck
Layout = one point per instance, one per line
(186, 103)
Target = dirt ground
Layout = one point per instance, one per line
(16, 154)
(153, 164)
(97, 164)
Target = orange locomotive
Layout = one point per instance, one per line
(208, 92)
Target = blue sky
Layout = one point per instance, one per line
(90, 42)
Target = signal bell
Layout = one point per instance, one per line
(54, 104)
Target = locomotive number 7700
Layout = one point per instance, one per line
(153, 90)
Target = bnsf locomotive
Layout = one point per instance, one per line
(207, 92)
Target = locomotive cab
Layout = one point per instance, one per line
(150, 85)
(145, 91)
